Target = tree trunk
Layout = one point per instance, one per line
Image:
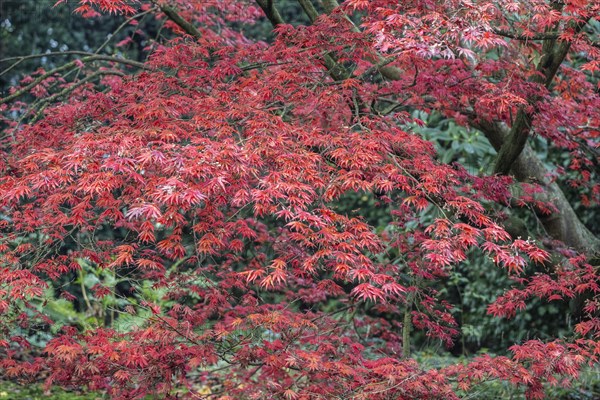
(563, 225)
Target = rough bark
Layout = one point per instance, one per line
(270, 11)
(564, 225)
(174, 16)
(553, 54)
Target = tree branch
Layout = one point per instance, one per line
(553, 54)
(337, 71)
(70, 89)
(309, 10)
(389, 72)
(72, 64)
(516, 36)
(72, 52)
(271, 12)
(123, 25)
(174, 16)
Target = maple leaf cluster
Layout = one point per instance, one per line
(216, 175)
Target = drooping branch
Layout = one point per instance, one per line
(336, 70)
(69, 89)
(516, 36)
(123, 25)
(65, 67)
(73, 52)
(381, 63)
(20, 59)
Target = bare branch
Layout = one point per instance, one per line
(123, 25)
(174, 16)
(516, 36)
(69, 65)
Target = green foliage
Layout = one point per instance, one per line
(456, 143)
(32, 27)
(12, 391)
(475, 285)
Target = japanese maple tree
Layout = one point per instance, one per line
(215, 171)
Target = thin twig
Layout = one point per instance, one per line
(96, 57)
(123, 25)
(516, 36)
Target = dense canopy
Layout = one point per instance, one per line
(207, 206)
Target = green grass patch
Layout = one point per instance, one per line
(34, 391)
